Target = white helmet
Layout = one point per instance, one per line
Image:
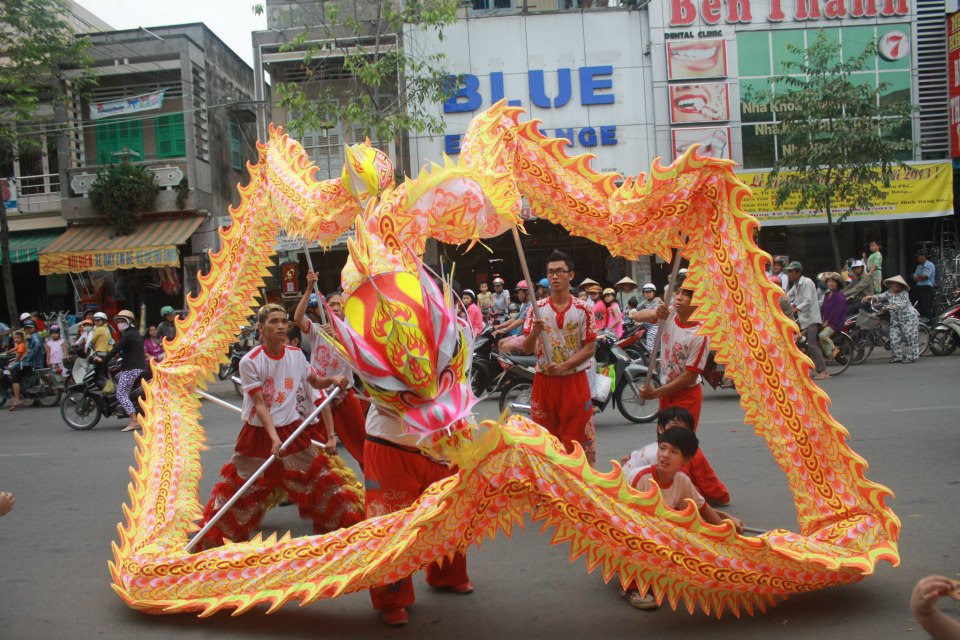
(100, 315)
(24, 316)
(497, 281)
(649, 287)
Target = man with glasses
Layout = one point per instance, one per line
(561, 400)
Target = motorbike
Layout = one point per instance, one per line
(871, 328)
(484, 363)
(945, 334)
(85, 403)
(632, 341)
(42, 386)
(625, 374)
(231, 368)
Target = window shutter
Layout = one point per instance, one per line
(171, 139)
(113, 137)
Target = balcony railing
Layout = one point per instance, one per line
(168, 174)
(39, 193)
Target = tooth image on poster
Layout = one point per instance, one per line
(714, 141)
(707, 102)
(696, 59)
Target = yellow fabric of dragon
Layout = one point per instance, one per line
(845, 526)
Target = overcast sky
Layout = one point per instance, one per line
(231, 20)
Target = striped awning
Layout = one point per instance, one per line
(25, 246)
(98, 248)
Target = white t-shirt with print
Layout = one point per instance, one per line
(566, 330)
(681, 349)
(279, 379)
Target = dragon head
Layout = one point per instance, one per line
(367, 172)
(403, 338)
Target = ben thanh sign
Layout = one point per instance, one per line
(684, 13)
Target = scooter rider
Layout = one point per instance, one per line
(99, 345)
(34, 359)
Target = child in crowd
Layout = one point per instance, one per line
(19, 346)
(922, 605)
(675, 448)
(485, 301)
(55, 350)
(699, 471)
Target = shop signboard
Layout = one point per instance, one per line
(922, 190)
(953, 79)
(709, 53)
(583, 75)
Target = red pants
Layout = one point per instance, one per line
(348, 421)
(323, 493)
(562, 405)
(394, 480)
(690, 399)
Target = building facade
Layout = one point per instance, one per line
(630, 84)
(178, 102)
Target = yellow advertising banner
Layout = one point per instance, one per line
(923, 190)
(78, 261)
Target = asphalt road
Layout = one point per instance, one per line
(902, 419)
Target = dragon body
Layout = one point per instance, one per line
(413, 356)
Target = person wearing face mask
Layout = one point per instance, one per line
(134, 365)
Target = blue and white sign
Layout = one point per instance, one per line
(8, 187)
(581, 74)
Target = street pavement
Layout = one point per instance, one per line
(902, 419)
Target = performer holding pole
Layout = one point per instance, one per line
(316, 289)
(272, 374)
(348, 414)
(668, 296)
(564, 329)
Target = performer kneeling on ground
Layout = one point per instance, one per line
(272, 374)
(699, 471)
(397, 472)
(676, 448)
(348, 415)
(560, 400)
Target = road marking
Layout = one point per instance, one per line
(949, 406)
(21, 455)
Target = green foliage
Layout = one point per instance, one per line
(840, 142)
(122, 193)
(36, 40)
(358, 71)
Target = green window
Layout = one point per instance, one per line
(782, 43)
(855, 41)
(753, 53)
(114, 137)
(236, 147)
(759, 143)
(171, 141)
(755, 101)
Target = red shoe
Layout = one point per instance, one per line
(396, 617)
